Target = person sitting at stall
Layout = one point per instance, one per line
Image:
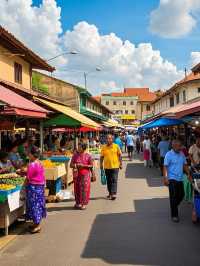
(5, 164)
(35, 198)
(22, 149)
(14, 156)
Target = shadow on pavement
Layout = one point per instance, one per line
(146, 237)
(137, 170)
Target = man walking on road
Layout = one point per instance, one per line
(111, 161)
(130, 145)
(174, 164)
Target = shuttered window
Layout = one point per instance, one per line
(18, 73)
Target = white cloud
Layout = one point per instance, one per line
(174, 18)
(195, 58)
(122, 63)
(38, 27)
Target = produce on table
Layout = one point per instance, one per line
(19, 181)
(6, 187)
(10, 175)
(94, 150)
(48, 164)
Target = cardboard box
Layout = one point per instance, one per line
(55, 172)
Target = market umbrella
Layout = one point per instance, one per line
(62, 121)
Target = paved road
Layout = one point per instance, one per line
(134, 230)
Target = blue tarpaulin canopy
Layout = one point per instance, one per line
(161, 122)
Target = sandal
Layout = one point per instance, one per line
(77, 206)
(36, 230)
(83, 208)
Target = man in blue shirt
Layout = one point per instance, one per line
(163, 148)
(130, 145)
(174, 165)
(118, 141)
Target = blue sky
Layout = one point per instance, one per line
(128, 19)
(136, 43)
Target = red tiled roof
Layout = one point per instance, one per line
(97, 98)
(136, 90)
(143, 93)
(190, 77)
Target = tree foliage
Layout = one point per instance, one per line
(38, 85)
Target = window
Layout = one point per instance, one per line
(184, 96)
(18, 73)
(124, 102)
(133, 112)
(126, 112)
(171, 99)
(114, 103)
(148, 107)
(132, 103)
(107, 102)
(198, 90)
(177, 98)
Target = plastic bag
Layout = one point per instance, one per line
(103, 177)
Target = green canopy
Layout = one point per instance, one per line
(62, 121)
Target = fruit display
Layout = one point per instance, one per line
(6, 187)
(94, 150)
(68, 153)
(48, 164)
(10, 175)
(19, 181)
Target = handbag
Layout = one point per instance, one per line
(103, 177)
(93, 176)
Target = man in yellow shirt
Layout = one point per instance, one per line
(111, 161)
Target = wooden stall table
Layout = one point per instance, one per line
(11, 209)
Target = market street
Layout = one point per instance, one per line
(133, 230)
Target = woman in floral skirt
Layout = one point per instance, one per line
(35, 201)
(82, 165)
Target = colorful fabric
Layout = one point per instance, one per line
(187, 189)
(82, 178)
(111, 156)
(35, 173)
(146, 155)
(35, 203)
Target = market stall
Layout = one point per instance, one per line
(12, 199)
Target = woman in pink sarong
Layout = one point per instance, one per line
(147, 151)
(82, 165)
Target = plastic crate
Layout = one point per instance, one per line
(59, 159)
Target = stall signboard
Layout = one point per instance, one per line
(14, 200)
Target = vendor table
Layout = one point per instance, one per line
(11, 209)
(68, 177)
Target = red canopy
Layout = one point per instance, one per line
(18, 105)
